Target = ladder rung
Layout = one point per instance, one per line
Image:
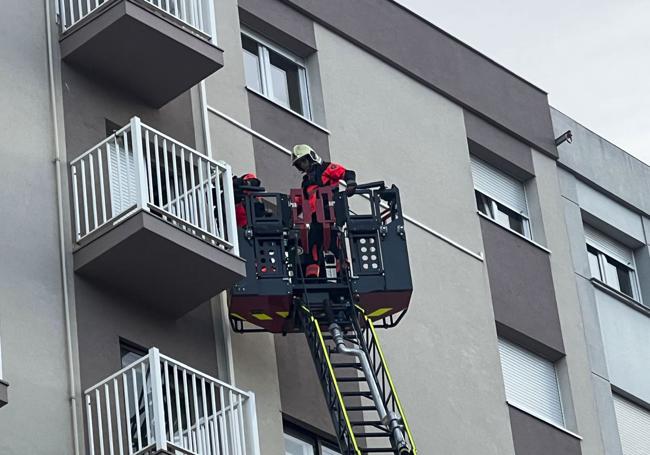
(365, 423)
(357, 394)
(373, 435)
(346, 365)
(350, 379)
(380, 450)
(361, 408)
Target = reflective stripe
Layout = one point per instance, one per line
(379, 312)
(633, 426)
(282, 314)
(609, 246)
(499, 186)
(262, 316)
(531, 382)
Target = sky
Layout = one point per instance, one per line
(591, 56)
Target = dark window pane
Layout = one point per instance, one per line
(594, 266)
(483, 204)
(252, 64)
(623, 281)
(511, 219)
(286, 82)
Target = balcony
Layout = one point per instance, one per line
(154, 220)
(155, 49)
(157, 405)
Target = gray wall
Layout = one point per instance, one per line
(534, 437)
(523, 295)
(443, 356)
(37, 419)
(440, 61)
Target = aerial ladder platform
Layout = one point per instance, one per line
(366, 286)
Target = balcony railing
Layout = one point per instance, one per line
(158, 404)
(197, 15)
(139, 168)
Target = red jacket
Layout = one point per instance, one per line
(323, 175)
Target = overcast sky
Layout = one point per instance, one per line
(591, 56)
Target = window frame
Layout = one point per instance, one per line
(494, 208)
(318, 444)
(602, 278)
(264, 46)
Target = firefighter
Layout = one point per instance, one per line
(318, 173)
(242, 186)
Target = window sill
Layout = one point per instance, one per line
(286, 109)
(543, 419)
(607, 289)
(512, 231)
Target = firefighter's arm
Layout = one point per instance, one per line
(336, 173)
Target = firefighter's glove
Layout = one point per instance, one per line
(351, 187)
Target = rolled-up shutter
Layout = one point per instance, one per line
(530, 382)
(609, 246)
(499, 186)
(633, 426)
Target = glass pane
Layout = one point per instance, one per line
(286, 82)
(328, 451)
(294, 446)
(623, 277)
(510, 218)
(611, 274)
(594, 266)
(252, 70)
(483, 204)
(280, 90)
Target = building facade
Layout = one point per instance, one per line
(525, 333)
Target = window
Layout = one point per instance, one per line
(611, 263)
(500, 197)
(633, 426)
(531, 383)
(305, 445)
(276, 74)
(130, 352)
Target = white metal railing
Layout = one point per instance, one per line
(198, 15)
(157, 403)
(139, 168)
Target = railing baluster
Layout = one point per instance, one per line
(242, 432)
(185, 191)
(233, 424)
(145, 395)
(98, 403)
(93, 192)
(206, 433)
(168, 191)
(195, 214)
(224, 429)
(169, 402)
(190, 446)
(149, 174)
(91, 432)
(127, 409)
(109, 420)
(220, 197)
(196, 414)
(158, 180)
(215, 435)
(179, 417)
(177, 196)
(130, 183)
(212, 228)
(80, 11)
(183, 10)
(102, 192)
(136, 408)
(84, 192)
(63, 15)
(201, 200)
(158, 409)
(118, 416)
(75, 196)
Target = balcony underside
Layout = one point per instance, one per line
(151, 261)
(4, 393)
(130, 45)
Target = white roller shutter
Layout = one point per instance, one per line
(499, 186)
(122, 179)
(531, 382)
(609, 246)
(633, 426)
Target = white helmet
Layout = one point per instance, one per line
(302, 150)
